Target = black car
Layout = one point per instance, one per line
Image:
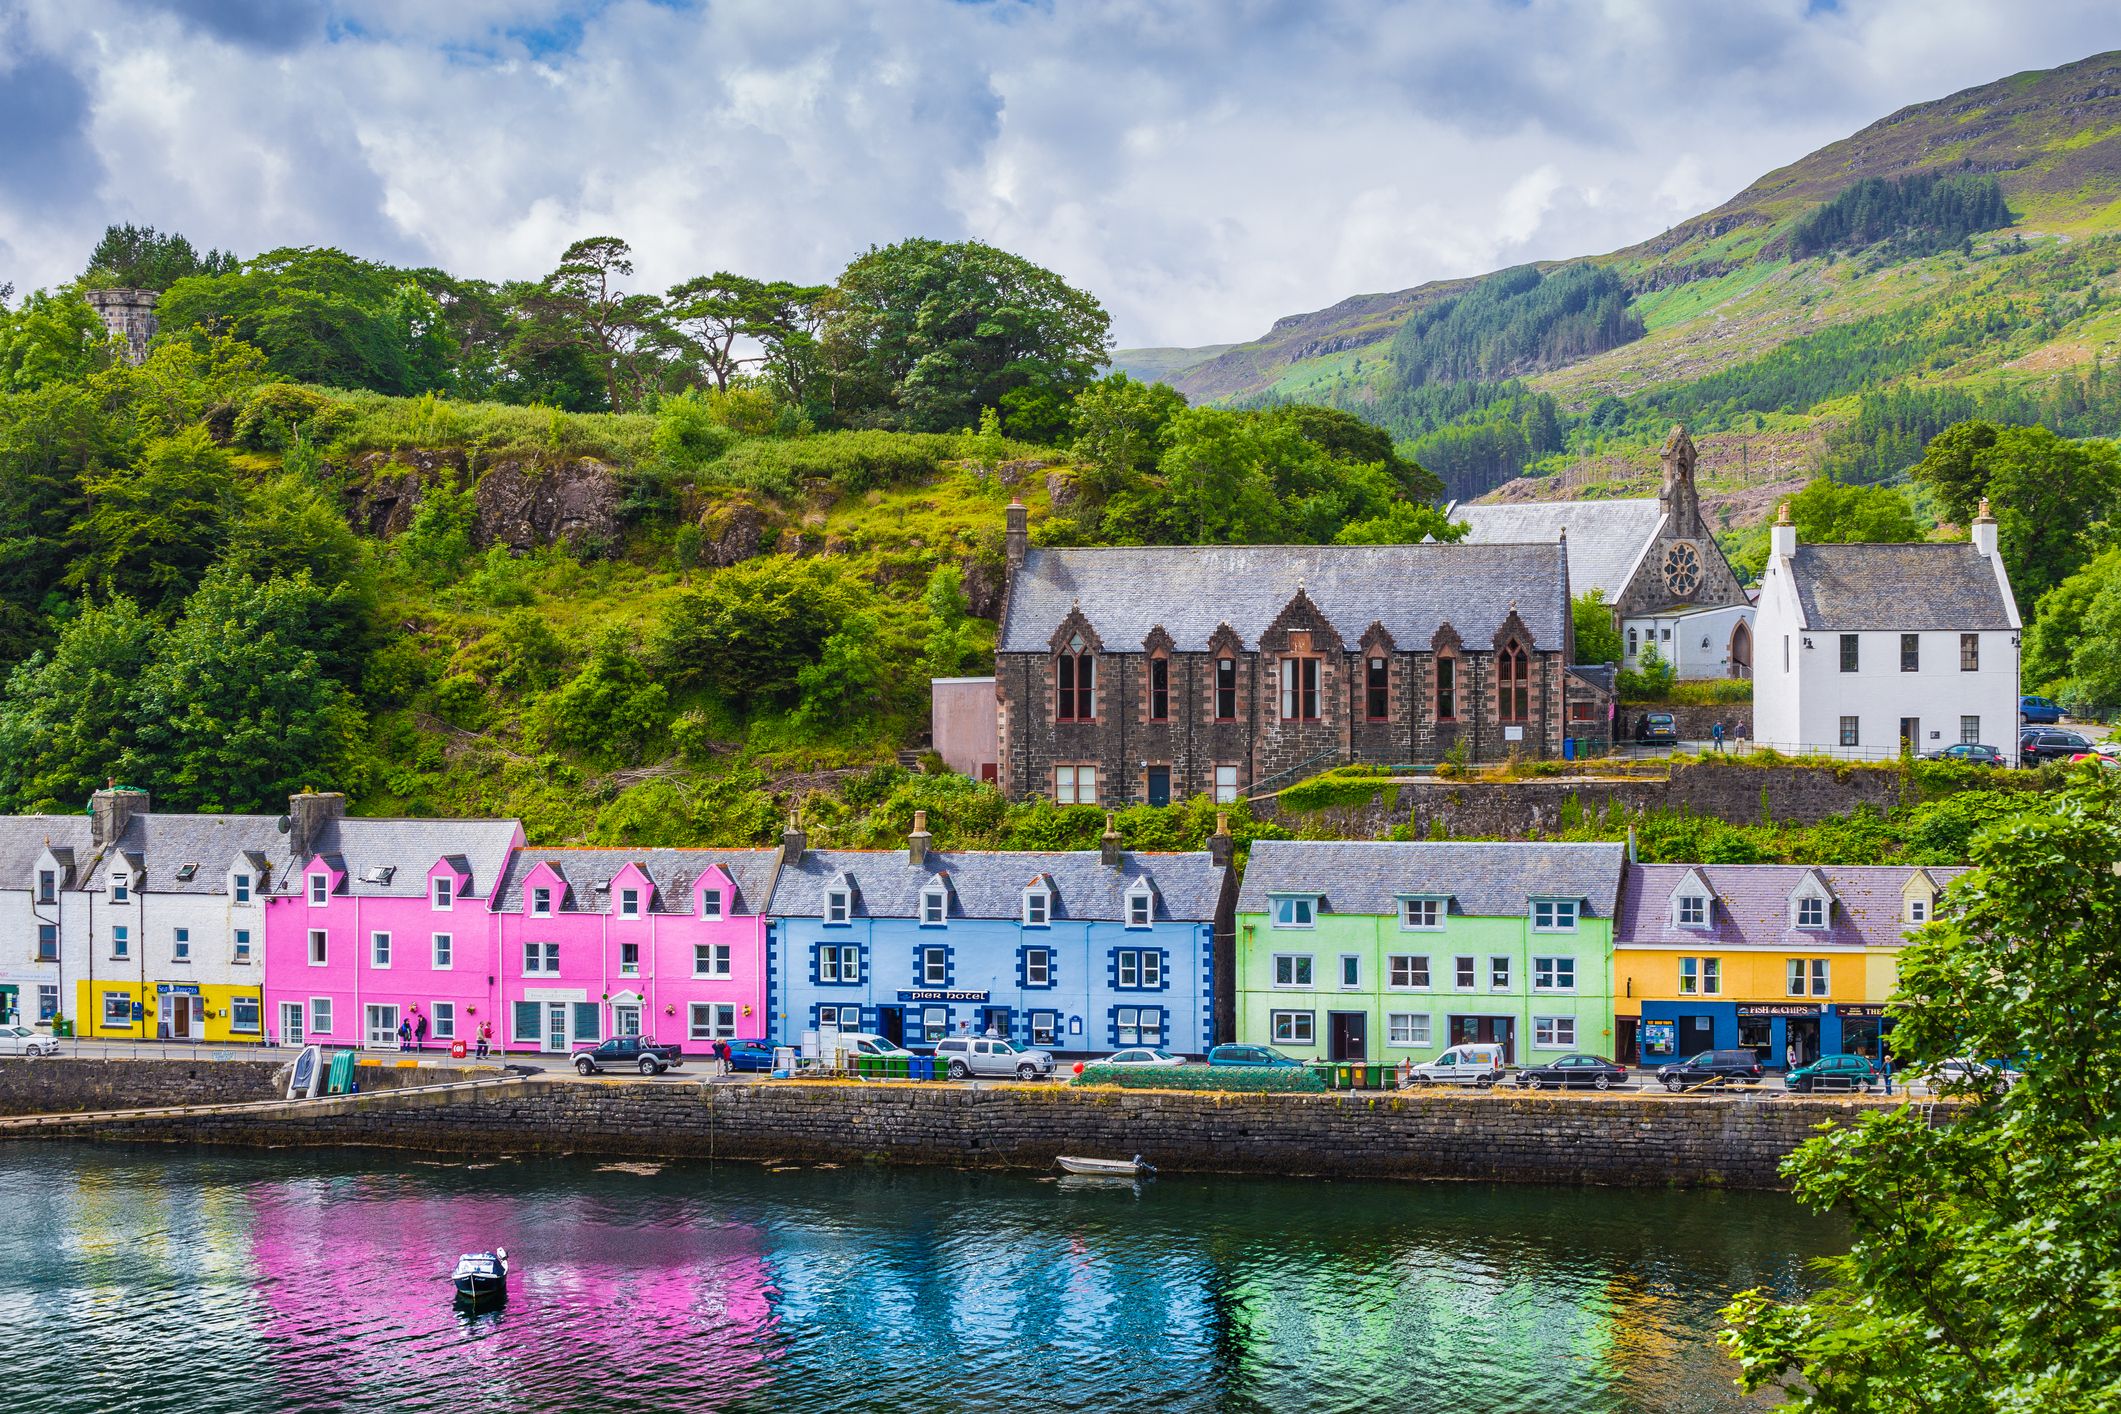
(1657, 726)
(628, 1053)
(1570, 1071)
(2051, 744)
(1972, 753)
(1713, 1068)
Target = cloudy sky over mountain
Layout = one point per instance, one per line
(1202, 165)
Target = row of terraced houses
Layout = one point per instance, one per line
(319, 927)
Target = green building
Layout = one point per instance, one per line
(1381, 951)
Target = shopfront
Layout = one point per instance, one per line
(1780, 1033)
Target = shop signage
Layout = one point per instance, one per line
(1659, 1038)
(1780, 1009)
(178, 989)
(1861, 1011)
(938, 994)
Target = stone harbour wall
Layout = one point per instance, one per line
(74, 1084)
(1658, 1141)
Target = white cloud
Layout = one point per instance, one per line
(1202, 165)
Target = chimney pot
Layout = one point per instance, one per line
(792, 842)
(307, 815)
(1109, 844)
(1983, 530)
(917, 842)
(1221, 847)
(110, 811)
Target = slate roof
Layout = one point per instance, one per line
(1908, 588)
(1606, 538)
(409, 848)
(1411, 589)
(990, 884)
(673, 872)
(22, 841)
(164, 843)
(1752, 908)
(1483, 880)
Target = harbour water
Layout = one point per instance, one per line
(151, 1280)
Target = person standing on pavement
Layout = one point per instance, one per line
(419, 1031)
(405, 1034)
(1789, 1056)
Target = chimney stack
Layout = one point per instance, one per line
(1984, 531)
(111, 810)
(1108, 845)
(307, 816)
(1783, 538)
(1018, 539)
(1221, 848)
(917, 842)
(792, 843)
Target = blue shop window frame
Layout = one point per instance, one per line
(863, 963)
(862, 1016)
(1023, 969)
(1163, 1026)
(1163, 970)
(920, 971)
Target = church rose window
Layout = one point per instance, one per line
(1682, 569)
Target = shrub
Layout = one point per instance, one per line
(273, 417)
(1237, 1079)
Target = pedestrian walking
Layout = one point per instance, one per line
(485, 1038)
(1716, 732)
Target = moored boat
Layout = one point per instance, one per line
(1107, 1168)
(481, 1276)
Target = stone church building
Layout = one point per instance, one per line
(1656, 560)
(1159, 673)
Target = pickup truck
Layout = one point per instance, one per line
(628, 1052)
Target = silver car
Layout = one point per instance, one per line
(988, 1055)
(19, 1040)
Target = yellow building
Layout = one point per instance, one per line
(1789, 961)
(119, 1009)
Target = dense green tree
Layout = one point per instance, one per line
(69, 716)
(612, 708)
(1597, 636)
(751, 630)
(1403, 523)
(1921, 213)
(1347, 438)
(710, 314)
(50, 339)
(151, 529)
(2073, 648)
(289, 526)
(1984, 1266)
(1212, 485)
(1515, 321)
(436, 546)
(1119, 431)
(142, 258)
(923, 334)
(847, 679)
(2046, 492)
(951, 640)
(51, 441)
(585, 307)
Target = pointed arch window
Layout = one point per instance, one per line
(1076, 700)
(1226, 689)
(1159, 689)
(1446, 688)
(1513, 683)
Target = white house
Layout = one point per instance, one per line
(40, 857)
(1865, 647)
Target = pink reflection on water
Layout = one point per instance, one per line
(660, 1300)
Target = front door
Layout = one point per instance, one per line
(625, 1021)
(382, 1025)
(994, 1019)
(1911, 734)
(1741, 651)
(1802, 1037)
(1348, 1036)
(1159, 785)
(1624, 1040)
(891, 1024)
(290, 1023)
(1696, 1034)
(1487, 1030)
(556, 1027)
(176, 1016)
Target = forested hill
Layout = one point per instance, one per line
(1955, 257)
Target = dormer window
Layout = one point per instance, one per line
(1811, 911)
(1141, 907)
(711, 904)
(935, 906)
(629, 903)
(1693, 911)
(445, 891)
(120, 888)
(47, 886)
(239, 887)
(1421, 915)
(541, 902)
(839, 905)
(319, 889)
(1038, 908)
(1291, 911)
(1554, 915)
(1918, 909)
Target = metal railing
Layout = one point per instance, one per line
(1267, 784)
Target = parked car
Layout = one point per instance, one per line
(1145, 1058)
(1833, 1073)
(1657, 727)
(1972, 753)
(990, 1055)
(1961, 1074)
(751, 1055)
(628, 1053)
(1475, 1063)
(1250, 1055)
(1713, 1068)
(1571, 1071)
(18, 1040)
(866, 1043)
(2052, 744)
(2040, 711)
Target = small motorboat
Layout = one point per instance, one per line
(482, 1276)
(1135, 1167)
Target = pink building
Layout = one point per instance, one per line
(383, 923)
(667, 943)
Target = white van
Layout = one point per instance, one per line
(1469, 1064)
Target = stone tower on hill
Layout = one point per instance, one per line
(130, 317)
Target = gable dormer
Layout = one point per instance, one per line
(322, 878)
(1693, 903)
(1038, 901)
(545, 891)
(128, 875)
(1140, 901)
(51, 875)
(249, 878)
(447, 881)
(1812, 903)
(714, 894)
(841, 898)
(1918, 899)
(631, 893)
(935, 900)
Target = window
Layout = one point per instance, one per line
(47, 1001)
(180, 945)
(1294, 912)
(1910, 652)
(525, 1018)
(121, 941)
(1140, 907)
(1446, 689)
(711, 904)
(1076, 701)
(47, 942)
(242, 949)
(1407, 1028)
(117, 1009)
(319, 947)
(1918, 909)
(1553, 974)
(379, 949)
(47, 886)
(1045, 1028)
(1849, 653)
(1038, 908)
(935, 967)
(319, 892)
(1794, 975)
(540, 957)
(1421, 914)
(444, 1017)
(1075, 785)
(1038, 967)
(1138, 1026)
(629, 959)
(1811, 912)
(1498, 972)
(239, 885)
(1350, 970)
(1293, 1027)
(320, 1017)
(838, 905)
(1463, 973)
(1813, 971)
(1377, 690)
(1849, 733)
(1159, 689)
(1513, 684)
(1225, 785)
(1299, 689)
(629, 903)
(1137, 967)
(1969, 730)
(1711, 976)
(1225, 689)
(1554, 1033)
(1407, 970)
(120, 888)
(541, 902)
(1701, 976)
(1969, 652)
(445, 890)
(934, 905)
(445, 951)
(711, 1021)
(710, 959)
(1693, 911)
(1632, 640)
(1292, 969)
(839, 963)
(1554, 915)
(1819, 977)
(1689, 976)
(935, 1023)
(846, 1016)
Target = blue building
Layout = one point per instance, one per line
(1085, 951)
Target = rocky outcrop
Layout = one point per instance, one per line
(523, 505)
(735, 531)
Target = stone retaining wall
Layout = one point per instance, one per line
(78, 1083)
(1504, 1137)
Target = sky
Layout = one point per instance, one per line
(1202, 166)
